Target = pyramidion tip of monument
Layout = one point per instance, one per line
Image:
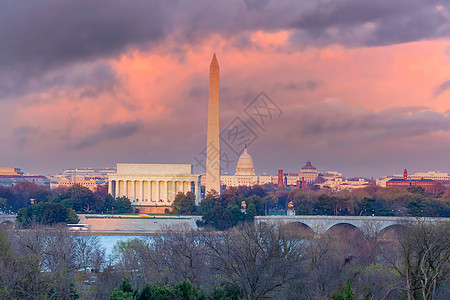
(214, 62)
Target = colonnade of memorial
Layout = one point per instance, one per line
(158, 191)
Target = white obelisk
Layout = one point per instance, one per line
(213, 139)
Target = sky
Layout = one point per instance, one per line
(359, 87)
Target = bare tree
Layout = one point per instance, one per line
(50, 257)
(175, 256)
(257, 262)
(185, 256)
(422, 260)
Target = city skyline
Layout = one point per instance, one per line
(366, 94)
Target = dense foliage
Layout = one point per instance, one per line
(46, 213)
(224, 211)
(59, 205)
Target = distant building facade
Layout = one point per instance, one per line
(87, 177)
(308, 173)
(91, 173)
(91, 184)
(11, 172)
(245, 175)
(152, 187)
(407, 181)
(12, 176)
(383, 181)
(341, 184)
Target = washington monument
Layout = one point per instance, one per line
(213, 140)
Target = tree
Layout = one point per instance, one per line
(159, 291)
(217, 211)
(256, 262)
(3, 202)
(184, 204)
(323, 206)
(42, 263)
(269, 201)
(23, 193)
(20, 273)
(82, 198)
(46, 214)
(109, 203)
(344, 293)
(423, 260)
(122, 205)
(251, 212)
(341, 205)
(42, 195)
(124, 292)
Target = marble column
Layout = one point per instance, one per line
(126, 189)
(110, 187)
(158, 191)
(166, 191)
(150, 191)
(117, 188)
(175, 189)
(180, 187)
(133, 185)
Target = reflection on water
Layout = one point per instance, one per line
(109, 241)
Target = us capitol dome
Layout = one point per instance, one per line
(245, 173)
(245, 164)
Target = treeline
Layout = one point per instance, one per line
(240, 263)
(413, 201)
(225, 210)
(58, 205)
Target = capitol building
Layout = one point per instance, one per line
(245, 173)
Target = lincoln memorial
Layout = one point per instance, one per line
(151, 188)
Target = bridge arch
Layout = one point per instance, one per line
(298, 229)
(344, 229)
(340, 223)
(368, 225)
(7, 224)
(392, 231)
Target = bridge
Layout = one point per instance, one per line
(7, 220)
(321, 224)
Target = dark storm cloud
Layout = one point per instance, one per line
(89, 79)
(39, 34)
(443, 87)
(36, 36)
(309, 85)
(371, 23)
(107, 133)
(48, 32)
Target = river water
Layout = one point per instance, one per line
(109, 241)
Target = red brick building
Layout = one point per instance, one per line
(407, 182)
